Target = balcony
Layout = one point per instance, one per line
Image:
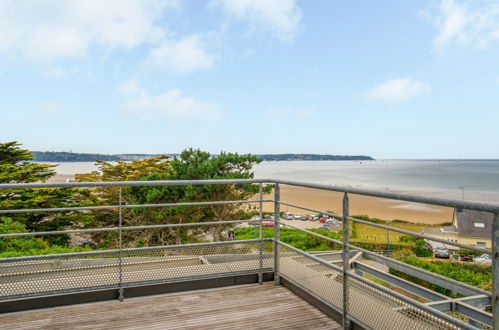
(255, 283)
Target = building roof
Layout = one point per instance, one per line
(447, 231)
(474, 223)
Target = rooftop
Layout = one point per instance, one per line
(472, 223)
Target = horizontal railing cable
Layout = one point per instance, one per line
(92, 230)
(130, 206)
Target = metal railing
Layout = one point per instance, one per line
(344, 287)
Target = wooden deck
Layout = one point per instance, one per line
(251, 306)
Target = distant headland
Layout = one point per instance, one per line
(56, 156)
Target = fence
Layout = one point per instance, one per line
(345, 289)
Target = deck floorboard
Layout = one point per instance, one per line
(250, 306)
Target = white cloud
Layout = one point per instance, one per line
(305, 112)
(182, 56)
(66, 28)
(277, 113)
(282, 18)
(170, 104)
(399, 89)
(466, 23)
(54, 72)
(51, 107)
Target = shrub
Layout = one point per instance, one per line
(295, 238)
(472, 274)
(87, 242)
(423, 248)
(407, 238)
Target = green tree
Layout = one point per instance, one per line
(122, 171)
(198, 165)
(16, 168)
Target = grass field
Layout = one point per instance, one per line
(374, 234)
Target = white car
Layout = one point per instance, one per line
(299, 216)
(288, 215)
(313, 217)
(483, 259)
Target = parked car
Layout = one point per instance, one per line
(483, 259)
(269, 216)
(270, 224)
(465, 257)
(324, 227)
(332, 222)
(288, 215)
(441, 252)
(299, 216)
(313, 217)
(322, 220)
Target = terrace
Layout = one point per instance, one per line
(152, 286)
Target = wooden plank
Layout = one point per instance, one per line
(250, 306)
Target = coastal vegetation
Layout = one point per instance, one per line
(189, 165)
(15, 167)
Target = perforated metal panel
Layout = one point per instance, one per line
(194, 263)
(312, 275)
(53, 275)
(380, 310)
(37, 277)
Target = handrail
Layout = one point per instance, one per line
(130, 183)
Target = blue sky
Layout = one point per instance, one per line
(390, 79)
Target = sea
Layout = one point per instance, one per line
(463, 179)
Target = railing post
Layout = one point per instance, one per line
(277, 234)
(120, 261)
(495, 271)
(346, 263)
(260, 274)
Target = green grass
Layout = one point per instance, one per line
(295, 238)
(379, 235)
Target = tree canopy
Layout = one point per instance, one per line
(15, 167)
